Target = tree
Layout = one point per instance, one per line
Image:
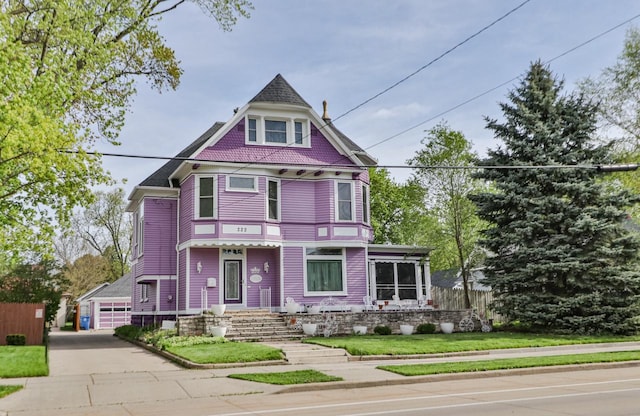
(86, 273)
(441, 170)
(107, 229)
(562, 258)
(68, 72)
(34, 283)
(398, 214)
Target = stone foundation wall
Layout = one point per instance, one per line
(344, 321)
(199, 324)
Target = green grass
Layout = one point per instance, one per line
(457, 342)
(289, 377)
(510, 363)
(7, 390)
(228, 352)
(23, 361)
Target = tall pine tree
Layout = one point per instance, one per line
(562, 256)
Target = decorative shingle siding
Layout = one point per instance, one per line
(232, 148)
(160, 228)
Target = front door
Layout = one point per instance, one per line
(232, 281)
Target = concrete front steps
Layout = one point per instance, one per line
(300, 353)
(260, 325)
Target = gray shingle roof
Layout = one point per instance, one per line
(119, 289)
(279, 91)
(160, 177)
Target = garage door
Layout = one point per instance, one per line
(113, 314)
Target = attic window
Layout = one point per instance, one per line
(277, 131)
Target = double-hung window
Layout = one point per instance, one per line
(277, 130)
(344, 201)
(206, 197)
(365, 204)
(326, 273)
(140, 230)
(273, 199)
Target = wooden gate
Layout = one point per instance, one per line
(22, 318)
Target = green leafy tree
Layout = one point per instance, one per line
(562, 258)
(398, 214)
(68, 72)
(440, 170)
(34, 283)
(86, 273)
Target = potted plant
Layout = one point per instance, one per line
(359, 330)
(218, 331)
(406, 329)
(309, 329)
(446, 327)
(218, 310)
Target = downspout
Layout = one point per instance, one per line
(177, 253)
(281, 278)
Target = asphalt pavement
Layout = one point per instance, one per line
(96, 373)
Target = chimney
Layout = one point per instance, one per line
(325, 114)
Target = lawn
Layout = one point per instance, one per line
(23, 361)
(288, 377)
(7, 390)
(457, 342)
(510, 363)
(227, 352)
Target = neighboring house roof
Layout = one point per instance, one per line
(121, 288)
(452, 279)
(91, 292)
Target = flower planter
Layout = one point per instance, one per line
(446, 327)
(406, 329)
(309, 329)
(218, 331)
(218, 310)
(292, 308)
(359, 329)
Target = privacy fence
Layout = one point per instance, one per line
(22, 318)
(453, 299)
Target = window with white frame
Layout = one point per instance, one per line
(205, 192)
(144, 293)
(325, 271)
(277, 131)
(140, 229)
(242, 183)
(365, 204)
(273, 199)
(344, 201)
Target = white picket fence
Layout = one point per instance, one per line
(453, 299)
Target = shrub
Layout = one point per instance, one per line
(16, 339)
(427, 328)
(382, 330)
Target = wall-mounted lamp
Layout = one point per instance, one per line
(266, 267)
(169, 298)
(199, 267)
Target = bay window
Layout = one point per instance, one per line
(205, 193)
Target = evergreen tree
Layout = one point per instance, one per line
(562, 258)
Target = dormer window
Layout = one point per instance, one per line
(277, 131)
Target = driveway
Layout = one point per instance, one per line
(99, 352)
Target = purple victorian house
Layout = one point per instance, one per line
(271, 205)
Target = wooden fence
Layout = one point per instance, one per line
(22, 318)
(452, 299)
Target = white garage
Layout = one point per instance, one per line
(110, 307)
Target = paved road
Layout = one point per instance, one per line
(94, 373)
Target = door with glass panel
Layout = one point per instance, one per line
(232, 281)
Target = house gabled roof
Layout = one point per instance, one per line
(86, 295)
(279, 91)
(121, 288)
(160, 177)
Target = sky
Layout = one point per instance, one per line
(348, 51)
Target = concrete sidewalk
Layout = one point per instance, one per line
(98, 374)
